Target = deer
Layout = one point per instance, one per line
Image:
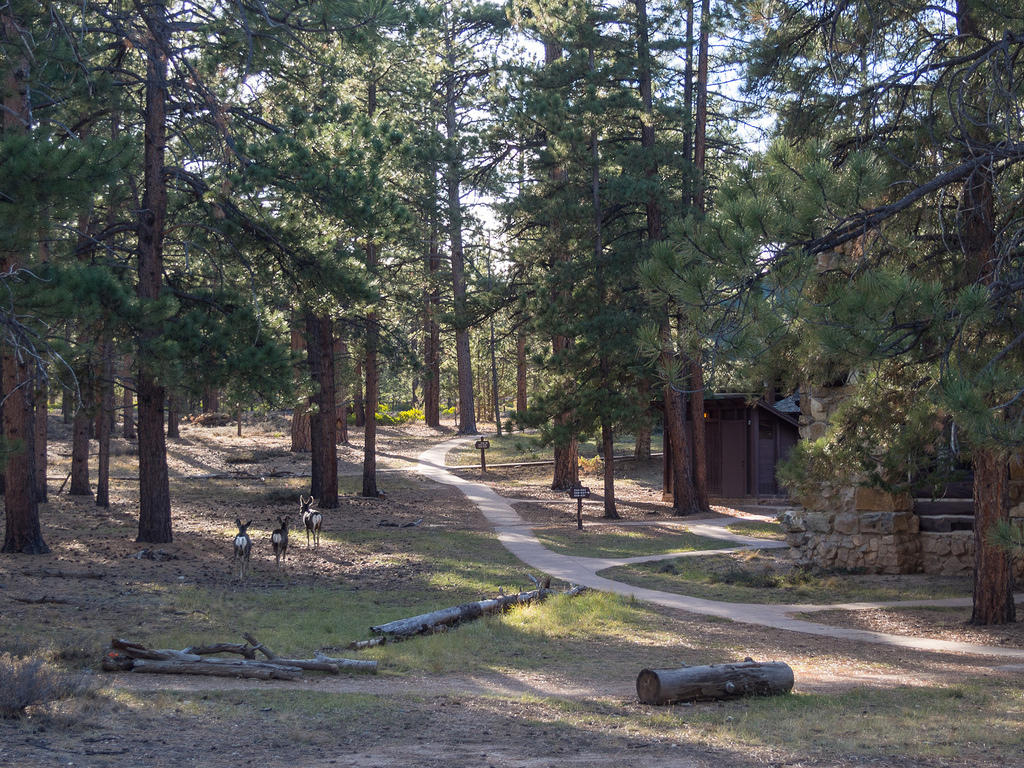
(312, 519)
(243, 547)
(279, 540)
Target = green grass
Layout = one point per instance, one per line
(758, 529)
(520, 446)
(596, 542)
(766, 578)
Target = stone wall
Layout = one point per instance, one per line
(876, 541)
(952, 554)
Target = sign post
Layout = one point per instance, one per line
(482, 445)
(579, 492)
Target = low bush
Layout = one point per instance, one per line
(26, 682)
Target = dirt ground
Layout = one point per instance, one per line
(88, 589)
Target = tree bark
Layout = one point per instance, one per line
(211, 400)
(715, 682)
(642, 448)
(174, 415)
(154, 491)
(608, 443)
(370, 489)
(22, 532)
(341, 394)
(322, 424)
(432, 329)
(700, 127)
(521, 402)
(104, 423)
(80, 454)
(358, 406)
(993, 566)
(300, 428)
(372, 394)
(700, 454)
(463, 360)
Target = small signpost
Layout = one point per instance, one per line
(482, 446)
(579, 492)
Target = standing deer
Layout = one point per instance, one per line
(312, 519)
(243, 547)
(279, 540)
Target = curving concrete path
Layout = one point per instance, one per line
(517, 536)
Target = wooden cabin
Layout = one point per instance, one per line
(745, 442)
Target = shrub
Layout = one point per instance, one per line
(386, 417)
(28, 682)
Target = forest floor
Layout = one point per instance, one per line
(548, 685)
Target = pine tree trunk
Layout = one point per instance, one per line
(993, 571)
(67, 405)
(432, 334)
(80, 454)
(993, 566)
(358, 404)
(322, 425)
(370, 489)
(341, 392)
(300, 429)
(154, 491)
(642, 449)
(463, 359)
(104, 424)
(521, 372)
(700, 455)
(608, 443)
(211, 400)
(666, 459)
(700, 126)
(22, 532)
(174, 416)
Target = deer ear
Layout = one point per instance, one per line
(248, 524)
(238, 522)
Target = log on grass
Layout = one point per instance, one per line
(261, 670)
(430, 622)
(321, 663)
(242, 649)
(714, 682)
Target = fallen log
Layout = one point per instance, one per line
(127, 656)
(358, 645)
(714, 682)
(260, 670)
(242, 649)
(430, 622)
(321, 663)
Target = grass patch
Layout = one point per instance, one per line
(650, 540)
(758, 529)
(758, 577)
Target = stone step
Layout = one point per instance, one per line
(946, 523)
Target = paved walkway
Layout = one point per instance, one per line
(517, 536)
